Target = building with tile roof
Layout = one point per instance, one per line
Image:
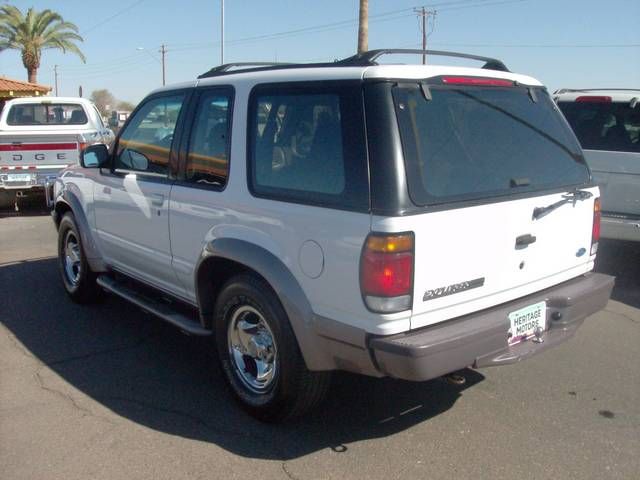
(10, 88)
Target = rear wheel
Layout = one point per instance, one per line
(260, 355)
(78, 279)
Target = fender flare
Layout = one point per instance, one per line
(281, 280)
(91, 249)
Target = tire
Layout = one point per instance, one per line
(249, 316)
(77, 277)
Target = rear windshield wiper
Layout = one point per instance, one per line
(571, 197)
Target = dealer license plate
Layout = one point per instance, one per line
(525, 321)
(18, 177)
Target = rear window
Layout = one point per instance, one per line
(604, 125)
(47, 114)
(477, 142)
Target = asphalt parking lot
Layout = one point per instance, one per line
(108, 392)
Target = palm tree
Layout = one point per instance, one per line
(363, 27)
(34, 32)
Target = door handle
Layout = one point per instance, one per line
(523, 241)
(157, 199)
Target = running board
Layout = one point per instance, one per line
(161, 310)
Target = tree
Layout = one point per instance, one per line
(104, 100)
(363, 27)
(34, 32)
(127, 106)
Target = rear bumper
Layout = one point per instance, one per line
(37, 179)
(480, 339)
(620, 228)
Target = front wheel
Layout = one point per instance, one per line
(260, 355)
(77, 277)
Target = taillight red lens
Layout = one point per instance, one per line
(593, 99)
(386, 272)
(595, 231)
(492, 82)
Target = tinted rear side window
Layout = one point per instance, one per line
(604, 126)
(478, 142)
(47, 114)
(307, 145)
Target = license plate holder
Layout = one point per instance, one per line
(524, 322)
(18, 177)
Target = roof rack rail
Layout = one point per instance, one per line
(568, 90)
(248, 65)
(370, 57)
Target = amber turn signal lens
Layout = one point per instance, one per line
(390, 243)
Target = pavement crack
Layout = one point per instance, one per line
(67, 398)
(171, 411)
(624, 315)
(286, 471)
(96, 353)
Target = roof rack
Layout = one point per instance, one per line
(568, 90)
(228, 66)
(362, 59)
(370, 57)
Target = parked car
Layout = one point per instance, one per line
(607, 123)
(118, 118)
(40, 136)
(388, 220)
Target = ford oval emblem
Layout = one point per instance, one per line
(581, 252)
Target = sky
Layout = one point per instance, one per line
(563, 43)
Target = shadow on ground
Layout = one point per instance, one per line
(149, 373)
(29, 206)
(622, 260)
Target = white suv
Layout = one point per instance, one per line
(396, 220)
(607, 123)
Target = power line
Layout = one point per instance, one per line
(378, 18)
(108, 19)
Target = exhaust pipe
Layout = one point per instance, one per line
(20, 194)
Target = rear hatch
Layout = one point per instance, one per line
(610, 136)
(503, 193)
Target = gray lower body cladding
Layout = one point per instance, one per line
(480, 339)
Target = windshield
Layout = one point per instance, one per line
(47, 114)
(605, 125)
(478, 142)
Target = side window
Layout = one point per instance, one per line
(209, 145)
(145, 145)
(307, 145)
(300, 147)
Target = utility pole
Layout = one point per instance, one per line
(163, 51)
(425, 14)
(221, 32)
(55, 74)
(363, 27)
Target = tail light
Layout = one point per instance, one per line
(386, 272)
(595, 230)
(477, 81)
(82, 146)
(593, 99)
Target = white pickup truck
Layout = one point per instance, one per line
(41, 136)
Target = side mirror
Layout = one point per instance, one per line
(95, 156)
